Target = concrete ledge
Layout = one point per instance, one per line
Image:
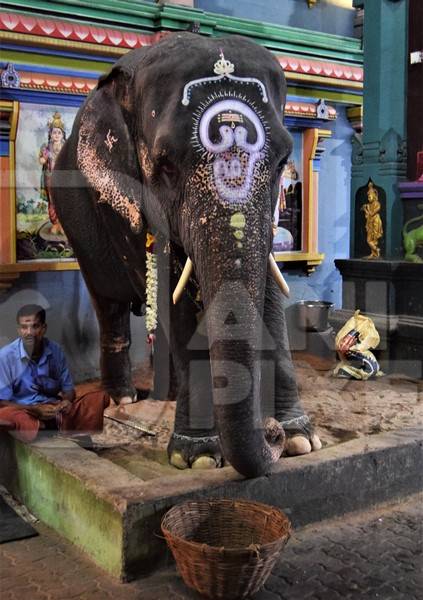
(115, 517)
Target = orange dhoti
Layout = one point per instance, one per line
(84, 416)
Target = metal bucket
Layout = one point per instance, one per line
(313, 315)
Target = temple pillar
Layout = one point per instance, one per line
(379, 153)
(386, 288)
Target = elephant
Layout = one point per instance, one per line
(184, 141)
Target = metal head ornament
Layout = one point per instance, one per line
(223, 69)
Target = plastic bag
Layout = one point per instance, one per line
(353, 343)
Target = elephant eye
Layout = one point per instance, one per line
(281, 164)
(168, 167)
(165, 171)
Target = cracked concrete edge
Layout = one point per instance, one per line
(116, 485)
(101, 477)
(340, 456)
(66, 504)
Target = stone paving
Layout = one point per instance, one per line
(373, 554)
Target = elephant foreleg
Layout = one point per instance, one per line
(195, 442)
(280, 385)
(115, 340)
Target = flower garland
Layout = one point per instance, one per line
(151, 301)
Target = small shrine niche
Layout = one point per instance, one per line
(296, 236)
(372, 227)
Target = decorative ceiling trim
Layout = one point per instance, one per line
(66, 30)
(46, 82)
(323, 82)
(66, 84)
(113, 41)
(307, 110)
(47, 42)
(58, 84)
(146, 17)
(69, 84)
(321, 68)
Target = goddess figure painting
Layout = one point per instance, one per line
(42, 132)
(47, 158)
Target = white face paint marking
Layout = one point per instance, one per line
(110, 140)
(232, 178)
(223, 69)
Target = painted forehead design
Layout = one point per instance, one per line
(223, 69)
(235, 113)
(232, 158)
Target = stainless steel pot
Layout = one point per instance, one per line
(313, 315)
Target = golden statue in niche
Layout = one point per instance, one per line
(374, 229)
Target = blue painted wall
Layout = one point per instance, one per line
(70, 318)
(334, 227)
(334, 219)
(324, 16)
(335, 167)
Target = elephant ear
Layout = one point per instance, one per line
(105, 153)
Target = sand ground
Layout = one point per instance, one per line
(341, 410)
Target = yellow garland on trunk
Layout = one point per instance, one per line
(151, 301)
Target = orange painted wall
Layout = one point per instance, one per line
(5, 211)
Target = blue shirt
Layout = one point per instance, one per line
(26, 382)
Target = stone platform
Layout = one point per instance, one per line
(114, 516)
(109, 503)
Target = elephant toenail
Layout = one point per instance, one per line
(297, 445)
(204, 462)
(176, 460)
(316, 444)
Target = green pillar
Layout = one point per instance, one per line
(380, 153)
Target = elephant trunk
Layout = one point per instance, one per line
(232, 288)
(236, 395)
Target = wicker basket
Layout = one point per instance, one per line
(225, 548)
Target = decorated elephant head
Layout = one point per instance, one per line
(186, 139)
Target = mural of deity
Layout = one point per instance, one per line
(41, 133)
(47, 158)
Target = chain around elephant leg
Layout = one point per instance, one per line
(187, 452)
(300, 436)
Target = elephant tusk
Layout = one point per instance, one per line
(183, 280)
(280, 279)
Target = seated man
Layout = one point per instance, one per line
(36, 388)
